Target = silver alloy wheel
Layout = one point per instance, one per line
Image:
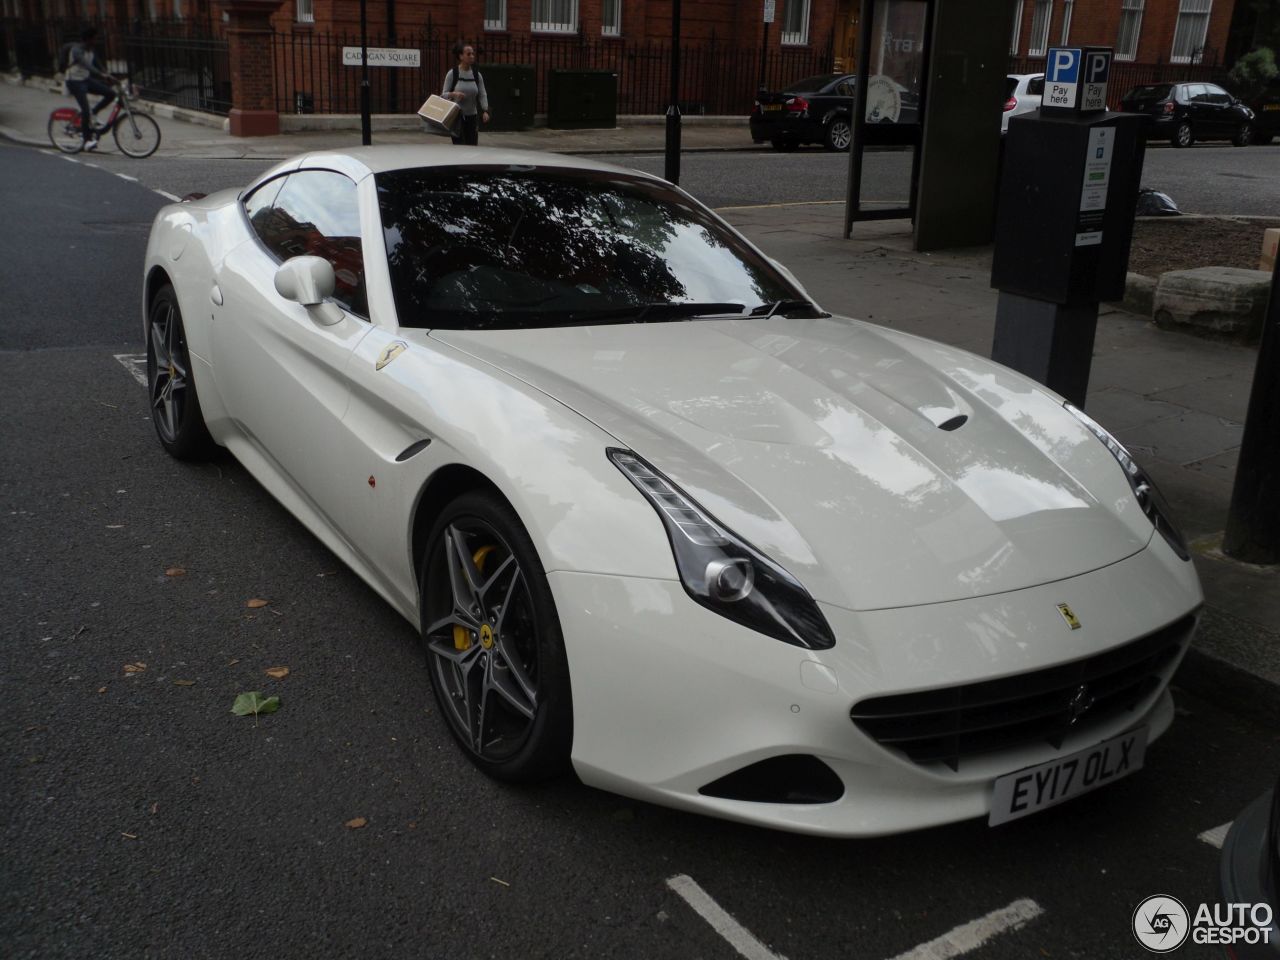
(1244, 135)
(1182, 135)
(839, 134)
(484, 649)
(167, 371)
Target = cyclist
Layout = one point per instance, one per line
(85, 77)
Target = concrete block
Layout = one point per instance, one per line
(1270, 245)
(1224, 302)
(1139, 293)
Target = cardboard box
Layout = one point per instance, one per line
(1270, 241)
(442, 115)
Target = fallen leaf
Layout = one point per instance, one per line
(257, 603)
(184, 683)
(131, 668)
(102, 689)
(234, 662)
(129, 836)
(154, 807)
(357, 823)
(278, 672)
(254, 703)
(175, 572)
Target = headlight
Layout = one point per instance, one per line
(722, 571)
(1144, 488)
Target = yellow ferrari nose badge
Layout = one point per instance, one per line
(486, 636)
(1068, 615)
(392, 351)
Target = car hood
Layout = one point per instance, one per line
(880, 469)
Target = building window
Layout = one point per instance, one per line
(1189, 34)
(555, 16)
(1041, 14)
(1130, 27)
(1066, 21)
(495, 14)
(611, 18)
(795, 22)
(1017, 28)
(306, 11)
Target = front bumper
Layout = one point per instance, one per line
(668, 697)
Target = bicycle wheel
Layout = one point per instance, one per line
(64, 130)
(136, 134)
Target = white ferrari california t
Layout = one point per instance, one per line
(659, 518)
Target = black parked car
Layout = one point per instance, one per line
(1266, 112)
(1250, 873)
(1183, 113)
(820, 110)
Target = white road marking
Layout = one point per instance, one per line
(972, 935)
(136, 364)
(1217, 836)
(125, 176)
(721, 921)
(168, 196)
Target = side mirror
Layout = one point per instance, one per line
(305, 280)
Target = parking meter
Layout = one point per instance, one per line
(1067, 200)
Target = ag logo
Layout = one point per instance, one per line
(1161, 923)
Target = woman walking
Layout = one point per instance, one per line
(465, 85)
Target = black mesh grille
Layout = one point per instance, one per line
(954, 723)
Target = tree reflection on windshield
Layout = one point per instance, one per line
(499, 246)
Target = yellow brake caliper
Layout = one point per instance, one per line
(462, 638)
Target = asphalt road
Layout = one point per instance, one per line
(140, 818)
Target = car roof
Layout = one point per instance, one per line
(1024, 76)
(360, 162)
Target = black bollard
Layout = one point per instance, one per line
(1253, 523)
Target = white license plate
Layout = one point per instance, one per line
(1049, 784)
(770, 107)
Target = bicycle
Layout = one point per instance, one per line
(136, 134)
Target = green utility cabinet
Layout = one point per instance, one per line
(578, 99)
(513, 92)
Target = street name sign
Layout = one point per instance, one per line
(383, 57)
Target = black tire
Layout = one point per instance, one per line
(136, 134)
(175, 407)
(1243, 135)
(1183, 135)
(838, 134)
(65, 134)
(494, 650)
(778, 143)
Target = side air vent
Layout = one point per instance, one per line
(795, 778)
(413, 450)
(955, 423)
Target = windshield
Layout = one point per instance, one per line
(812, 84)
(483, 247)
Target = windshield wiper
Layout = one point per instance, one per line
(663, 310)
(785, 307)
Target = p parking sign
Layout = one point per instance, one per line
(1075, 80)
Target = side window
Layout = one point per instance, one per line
(844, 89)
(1216, 94)
(258, 204)
(1182, 92)
(316, 214)
(1035, 86)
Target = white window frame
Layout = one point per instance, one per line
(305, 11)
(495, 14)
(611, 18)
(1130, 12)
(1017, 29)
(795, 37)
(1066, 21)
(1192, 31)
(567, 21)
(1041, 16)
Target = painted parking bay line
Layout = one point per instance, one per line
(971, 936)
(136, 364)
(1217, 836)
(722, 922)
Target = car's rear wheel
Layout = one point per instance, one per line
(494, 649)
(1243, 135)
(1183, 135)
(175, 407)
(839, 134)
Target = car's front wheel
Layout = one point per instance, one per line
(494, 649)
(839, 134)
(175, 407)
(1183, 135)
(1243, 135)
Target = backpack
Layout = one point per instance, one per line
(453, 78)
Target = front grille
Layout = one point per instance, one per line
(956, 723)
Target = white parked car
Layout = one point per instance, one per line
(659, 518)
(1023, 92)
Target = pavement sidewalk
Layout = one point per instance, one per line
(1176, 401)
